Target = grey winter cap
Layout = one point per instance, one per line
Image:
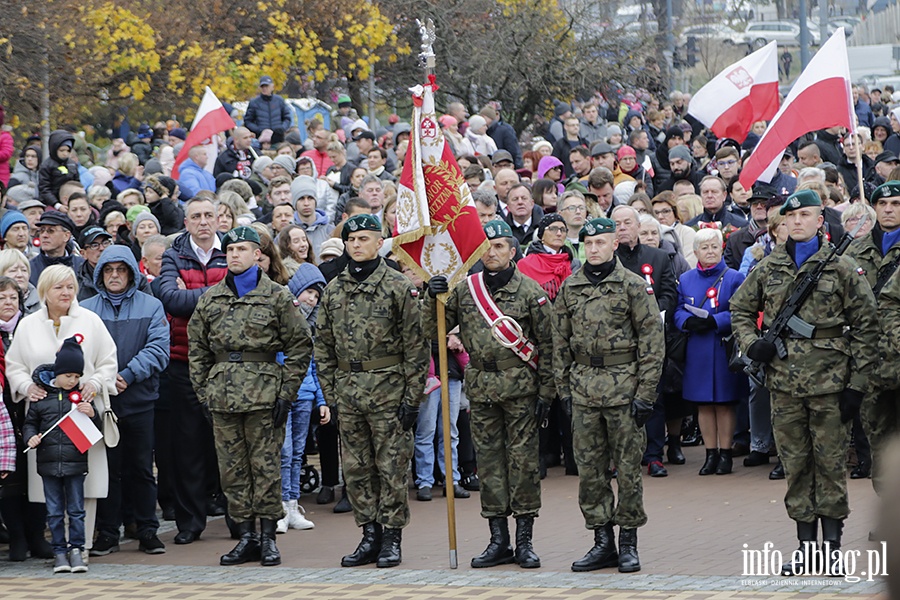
(303, 186)
(681, 152)
(285, 161)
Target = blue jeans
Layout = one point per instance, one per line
(430, 422)
(296, 430)
(65, 495)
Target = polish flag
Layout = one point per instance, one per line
(739, 96)
(212, 119)
(819, 99)
(80, 429)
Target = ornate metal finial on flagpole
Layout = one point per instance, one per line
(426, 56)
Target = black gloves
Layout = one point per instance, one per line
(850, 402)
(407, 415)
(641, 411)
(542, 411)
(207, 414)
(566, 404)
(761, 351)
(280, 412)
(438, 285)
(698, 325)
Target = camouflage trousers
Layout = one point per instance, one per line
(248, 446)
(506, 440)
(812, 445)
(376, 453)
(880, 415)
(598, 436)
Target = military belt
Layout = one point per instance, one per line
(242, 357)
(606, 360)
(820, 334)
(493, 366)
(360, 366)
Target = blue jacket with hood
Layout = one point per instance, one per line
(141, 332)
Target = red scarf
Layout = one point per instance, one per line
(548, 270)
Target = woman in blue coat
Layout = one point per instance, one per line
(703, 312)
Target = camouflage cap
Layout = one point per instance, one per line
(365, 222)
(888, 189)
(497, 229)
(240, 234)
(799, 200)
(596, 227)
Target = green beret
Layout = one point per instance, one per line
(364, 222)
(596, 227)
(240, 234)
(887, 189)
(799, 200)
(497, 229)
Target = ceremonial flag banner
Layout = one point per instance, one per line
(740, 95)
(437, 231)
(212, 119)
(80, 429)
(819, 99)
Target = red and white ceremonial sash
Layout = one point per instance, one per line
(505, 329)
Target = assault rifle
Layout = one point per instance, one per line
(788, 319)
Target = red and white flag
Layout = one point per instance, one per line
(437, 228)
(80, 429)
(819, 99)
(212, 119)
(739, 96)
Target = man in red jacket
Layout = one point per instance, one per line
(193, 264)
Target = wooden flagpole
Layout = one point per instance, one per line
(426, 32)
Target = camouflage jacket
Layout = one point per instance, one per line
(523, 300)
(842, 298)
(264, 320)
(615, 316)
(868, 256)
(369, 320)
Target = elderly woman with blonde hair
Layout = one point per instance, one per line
(38, 337)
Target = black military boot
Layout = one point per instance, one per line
(712, 462)
(390, 555)
(269, 554)
(603, 554)
(800, 563)
(628, 554)
(726, 461)
(831, 546)
(525, 555)
(369, 547)
(674, 453)
(247, 548)
(499, 551)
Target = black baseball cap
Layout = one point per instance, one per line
(92, 233)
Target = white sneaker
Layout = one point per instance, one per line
(282, 525)
(296, 518)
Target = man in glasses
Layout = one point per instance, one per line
(93, 241)
(572, 207)
(54, 231)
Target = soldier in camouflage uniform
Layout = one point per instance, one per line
(607, 382)
(238, 326)
(878, 254)
(819, 386)
(508, 397)
(373, 361)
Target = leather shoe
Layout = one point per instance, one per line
(862, 470)
(755, 459)
(458, 491)
(777, 472)
(738, 449)
(656, 469)
(186, 537)
(325, 495)
(423, 494)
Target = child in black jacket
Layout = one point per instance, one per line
(60, 464)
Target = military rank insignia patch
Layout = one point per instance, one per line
(860, 271)
(414, 292)
(542, 300)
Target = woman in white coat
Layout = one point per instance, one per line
(37, 340)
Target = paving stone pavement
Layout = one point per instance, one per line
(691, 549)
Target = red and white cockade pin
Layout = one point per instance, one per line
(647, 270)
(78, 338)
(75, 397)
(36, 242)
(712, 293)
